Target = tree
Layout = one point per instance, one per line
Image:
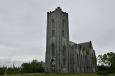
(33, 67)
(107, 59)
(100, 59)
(26, 67)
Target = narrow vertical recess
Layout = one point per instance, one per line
(53, 49)
(53, 24)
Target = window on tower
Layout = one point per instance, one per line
(53, 32)
(63, 61)
(53, 50)
(53, 24)
(77, 60)
(64, 53)
(62, 33)
(63, 24)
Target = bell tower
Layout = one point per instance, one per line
(57, 42)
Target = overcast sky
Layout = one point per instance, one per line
(23, 27)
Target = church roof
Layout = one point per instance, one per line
(85, 45)
(71, 43)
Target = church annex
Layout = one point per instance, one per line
(63, 55)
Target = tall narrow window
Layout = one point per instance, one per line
(53, 32)
(64, 50)
(63, 61)
(53, 24)
(77, 60)
(53, 50)
(63, 24)
(62, 33)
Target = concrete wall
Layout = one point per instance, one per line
(76, 58)
(58, 40)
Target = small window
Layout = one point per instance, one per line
(53, 32)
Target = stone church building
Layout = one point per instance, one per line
(63, 55)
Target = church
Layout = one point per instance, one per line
(63, 55)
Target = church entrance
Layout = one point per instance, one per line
(53, 66)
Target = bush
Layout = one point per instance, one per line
(110, 72)
(102, 73)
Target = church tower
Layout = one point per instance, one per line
(57, 42)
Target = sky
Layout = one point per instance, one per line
(23, 27)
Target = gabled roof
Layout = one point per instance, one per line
(86, 45)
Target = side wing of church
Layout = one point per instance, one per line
(62, 55)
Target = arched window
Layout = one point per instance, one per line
(53, 24)
(53, 49)
(64, 52)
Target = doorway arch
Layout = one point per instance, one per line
(53, 66)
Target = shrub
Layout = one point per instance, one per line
(102, 73)
(110, 72)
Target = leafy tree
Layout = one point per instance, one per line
(108, 60)
(2, 70)
(26, 67)
(33, 67)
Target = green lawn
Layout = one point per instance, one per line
(36, 74)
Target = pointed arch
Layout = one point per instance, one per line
(53, 65)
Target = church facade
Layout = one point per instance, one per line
(62, 55)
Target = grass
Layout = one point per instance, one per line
(37, 74)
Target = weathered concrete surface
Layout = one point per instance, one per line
(62, 55)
